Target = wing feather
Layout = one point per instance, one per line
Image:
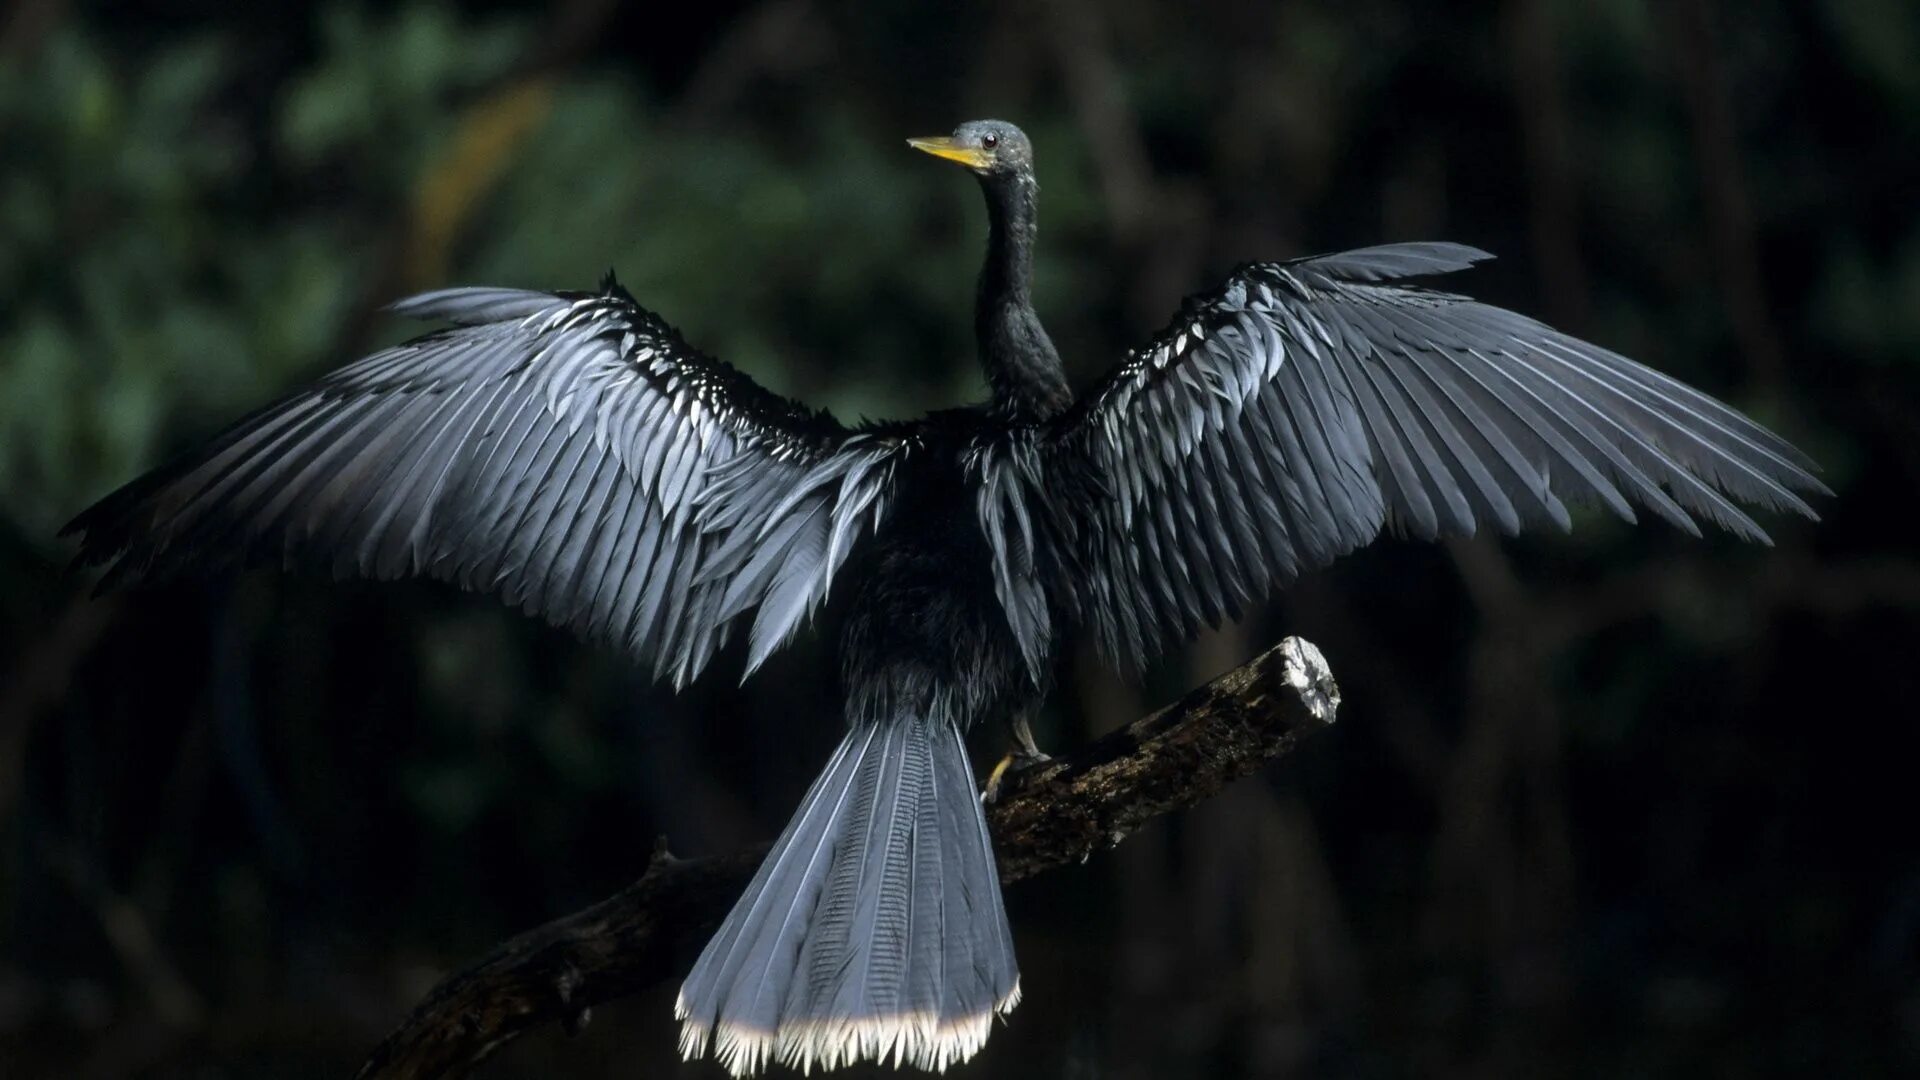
(567, 451)
(1293, 414)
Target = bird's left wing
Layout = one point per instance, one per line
(1290, 416)
(568, 451)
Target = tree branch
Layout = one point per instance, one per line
(1061, 812)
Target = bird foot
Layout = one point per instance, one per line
(1022, 759)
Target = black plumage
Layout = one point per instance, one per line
(570, 452)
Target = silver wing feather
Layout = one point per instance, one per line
(569, 452)
(1293, 414)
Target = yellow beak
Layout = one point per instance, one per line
(943, 146)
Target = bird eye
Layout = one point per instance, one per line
(989, 140)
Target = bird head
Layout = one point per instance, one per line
(991, 148)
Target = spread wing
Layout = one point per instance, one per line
(567, 451)
(1293, 414)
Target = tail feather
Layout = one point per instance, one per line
(768, 922)
(874, 930)
(984, 920)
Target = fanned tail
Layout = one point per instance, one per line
(874, 930)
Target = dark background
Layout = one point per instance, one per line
(1610, 804)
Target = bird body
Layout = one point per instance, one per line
(570, 452)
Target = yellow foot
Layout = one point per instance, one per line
(1025, 756)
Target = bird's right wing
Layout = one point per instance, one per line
(568, 451)
(1290, 416)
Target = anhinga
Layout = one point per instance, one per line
(570, 452)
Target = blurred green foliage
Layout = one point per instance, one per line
(172, 267)
(1597, 808)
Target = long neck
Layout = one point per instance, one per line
(1029, 383)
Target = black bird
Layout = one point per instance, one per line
(570, 452)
